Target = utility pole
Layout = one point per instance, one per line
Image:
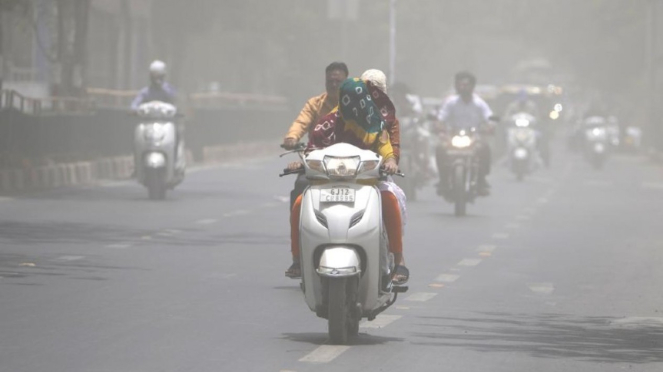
(392, 41)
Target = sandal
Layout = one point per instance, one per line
(294, 271)
(401, 275)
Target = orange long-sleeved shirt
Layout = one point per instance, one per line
(313, 110)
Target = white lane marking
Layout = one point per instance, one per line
(164, 233)
(240, 212)
(69, 258)
(486, 248)
(599, 183)
(653, 186)
(638, 321)
(380, 321)
(540, 179)
(206, 221)
(282, 199)
(512, 226)
(542, 288)
(529, 211)
(146, 237)
(119, 246)
(447, 278)
(501, 236)
(325, 354)
(468, 262)
(421, 296)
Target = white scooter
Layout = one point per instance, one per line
(159, 164)
(523, 155)
(346, 267)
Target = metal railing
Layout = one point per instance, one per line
(11, 99)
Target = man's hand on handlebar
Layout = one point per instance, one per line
(289, 143)
(390, 166)
(294, 166)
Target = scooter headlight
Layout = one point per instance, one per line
(342, 167)
(461, 141)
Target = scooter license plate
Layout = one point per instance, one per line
(337, 195)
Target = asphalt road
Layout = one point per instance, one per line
(562, 272)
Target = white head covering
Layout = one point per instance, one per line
(158, 68)
(377, 77)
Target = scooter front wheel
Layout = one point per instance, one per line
(340, 313)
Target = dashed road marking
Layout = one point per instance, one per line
(436, 285)
(240, 212)
(599, 183)
(119, 245)
(402, 307)
(652, 186)
(146, 237)
(325, 353)
(380, 321)
(69, 258)
(282, 199)
(447, 278)
(421, 296)
(638, 322)
(501, 236)
(206, 221)
(469, 262)
(542, 288)
(486, 248)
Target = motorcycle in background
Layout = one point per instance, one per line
(597, 141)
(415, 155)
(159, 159)
(462, 168)
(523, 155)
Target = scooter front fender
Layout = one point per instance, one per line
(339, 262)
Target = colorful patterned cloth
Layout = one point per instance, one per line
(360, 119)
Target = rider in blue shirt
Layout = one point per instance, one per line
(158, 90)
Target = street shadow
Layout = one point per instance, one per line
(586, 338)
(363, 339)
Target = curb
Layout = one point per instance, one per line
(115, 168)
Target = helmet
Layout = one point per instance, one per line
(377, 78)
(158, 68)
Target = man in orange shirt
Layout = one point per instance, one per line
(314, 109)
(317, 106)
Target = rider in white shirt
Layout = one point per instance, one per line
(465, 110)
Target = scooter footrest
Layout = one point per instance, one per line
(400, 288)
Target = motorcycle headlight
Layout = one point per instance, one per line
(598, 132)
(341, 167)
(155, 132)
(461, 141)
(522, 122)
